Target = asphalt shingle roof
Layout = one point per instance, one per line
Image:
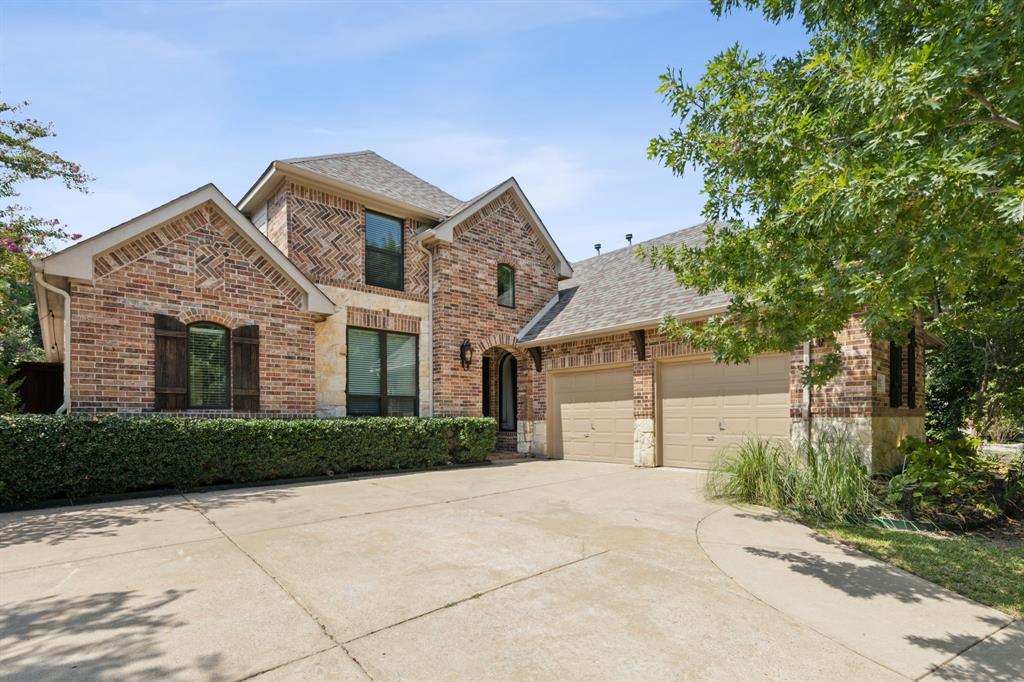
(617, 288)
(372, 172)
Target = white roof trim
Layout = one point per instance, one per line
(614, 329)
(76, 261)
(445, 231)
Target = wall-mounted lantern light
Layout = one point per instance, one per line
(466, 354)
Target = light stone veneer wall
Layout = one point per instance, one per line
(538, 446)
(879, 436)
(644, 452)
(332, 348)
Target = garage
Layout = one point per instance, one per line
(704, 406)
(591, 415)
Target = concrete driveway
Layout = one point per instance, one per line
(525, 570)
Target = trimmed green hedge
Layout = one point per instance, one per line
(46, 457)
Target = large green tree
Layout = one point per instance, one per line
(24, 236)
(876, 172)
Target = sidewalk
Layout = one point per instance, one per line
(892, 617)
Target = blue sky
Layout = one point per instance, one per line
(154, 100)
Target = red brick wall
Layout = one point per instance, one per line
(466, 301)
(324, 234)
(880, 365)
(850, 394)
(197, 267)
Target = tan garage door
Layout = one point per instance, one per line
(704, 406)
(591, 415)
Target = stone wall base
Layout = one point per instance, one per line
(644, 451)
(879, 436)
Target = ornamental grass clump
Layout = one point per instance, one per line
(831, 481)
(757, 471)
(823, 479)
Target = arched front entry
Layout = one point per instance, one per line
(501, 394)
(506, 390)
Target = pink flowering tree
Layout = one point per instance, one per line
(24, 236)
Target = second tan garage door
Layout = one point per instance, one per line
(704, 406)
(591, 415)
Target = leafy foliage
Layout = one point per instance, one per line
(977, 379)
(878, 172)
(46, 457)
(952, 483)
(24, 236)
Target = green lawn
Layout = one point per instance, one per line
(973, 567)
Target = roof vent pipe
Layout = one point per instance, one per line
(597, 247)
(629, 239)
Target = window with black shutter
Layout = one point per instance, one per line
(382, 374)
(895, 375)
(384, 251)
(171, 363)
(912, 370)
(245, 366)
(205, 366)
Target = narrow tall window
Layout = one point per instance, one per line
(382, 373)
(507, 394)
(895, 375)
(384, 250)
(506, 286)
(208, 369)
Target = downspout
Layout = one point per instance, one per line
(807, 392)
(66, 406)
(430, 321)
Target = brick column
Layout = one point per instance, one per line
(644, 451)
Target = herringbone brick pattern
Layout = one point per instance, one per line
(325, 242)
(325, 238)
(209, 265)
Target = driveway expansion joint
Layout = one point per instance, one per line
(477, 595)
(298, 602)
(959, 654)
(783, 614)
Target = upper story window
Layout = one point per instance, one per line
(208, 371)
(506, 286)
(384, 251)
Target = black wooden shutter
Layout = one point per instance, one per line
(170, 363)
(245, 366)
(895, 375)
(912, 370)
(486, 364)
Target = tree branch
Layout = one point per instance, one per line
(998, 117)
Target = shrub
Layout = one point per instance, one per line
(45, 457)
(824, 479)
(953, 483)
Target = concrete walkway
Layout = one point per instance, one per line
(519, 570)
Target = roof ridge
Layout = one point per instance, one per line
(704, 224)
(370, 152)
(331, 156)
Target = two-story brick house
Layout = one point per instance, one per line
(343, 285)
